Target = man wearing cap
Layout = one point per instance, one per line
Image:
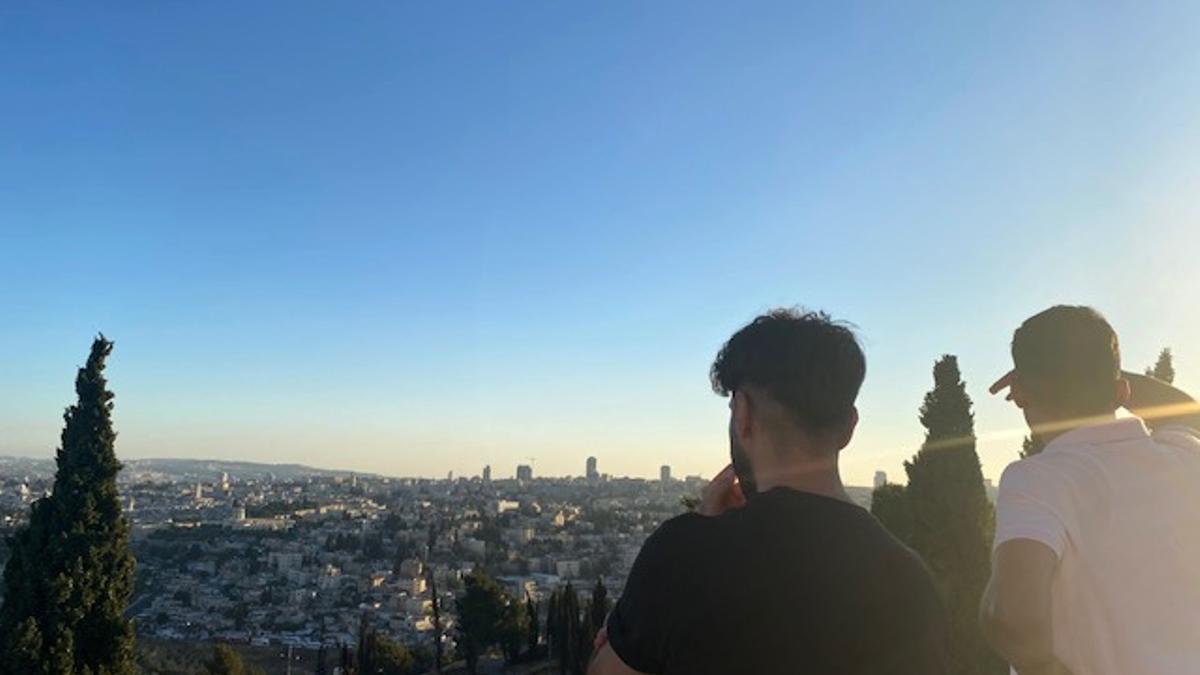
(1096, 563)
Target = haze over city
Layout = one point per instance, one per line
(404, 242)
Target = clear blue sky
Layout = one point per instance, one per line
(419, 239)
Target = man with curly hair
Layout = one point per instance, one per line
(777, 570)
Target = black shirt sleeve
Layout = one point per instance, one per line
(641, 625)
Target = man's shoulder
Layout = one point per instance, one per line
(1040, 468)
(683, 530)
(1177, 436)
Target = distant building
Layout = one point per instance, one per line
(664, 473)
(880, 478)
(592, 474)
(568, 569)
(199, 495)
(506, 505)
(473, 546)
(487, 473)
(283, 562)
(412, 567)
(524, 472)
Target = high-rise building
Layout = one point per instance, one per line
(199, 495)
(880, 478)
(487, 473)
(592, 474)
(524, 472)
(664, 473)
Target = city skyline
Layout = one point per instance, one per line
(409, 241)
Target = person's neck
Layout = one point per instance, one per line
(820, 477)
(1053, 428)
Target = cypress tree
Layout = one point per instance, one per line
(583, 643)
(436, 603)
(70, 575)
(952, 520)
(599, 608)
(321, 658)
(568, 633)
(533, 634)
(437, 623)
(1164, 367)
(889, 503)
(552, 625)
(366, 636)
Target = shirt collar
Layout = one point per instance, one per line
(1116, 431)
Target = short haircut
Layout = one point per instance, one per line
(1068, 358)
(810, 364)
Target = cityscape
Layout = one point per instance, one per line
(599, 339)
(284, 556)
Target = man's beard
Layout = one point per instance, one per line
(742, 467)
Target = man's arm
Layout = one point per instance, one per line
(1015, 613)
(1160, 404)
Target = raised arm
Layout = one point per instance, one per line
(1160, 404)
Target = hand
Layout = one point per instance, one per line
(601, 639)
(722, 493)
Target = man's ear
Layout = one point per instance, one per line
(743, 417)
(1122, 393)
(1018, 395)
(848, 430)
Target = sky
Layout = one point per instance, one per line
(413, 238)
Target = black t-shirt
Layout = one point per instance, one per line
(792, 583)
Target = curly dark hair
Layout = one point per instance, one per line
(808, 362)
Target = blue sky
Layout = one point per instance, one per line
(418, 239)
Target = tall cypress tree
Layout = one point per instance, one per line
(553, 628)
(952, 520)
(599, 608)
(568, 632)
(438, 656)
(1164, 367)
(70, 575)
(533, 628)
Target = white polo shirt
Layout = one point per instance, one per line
(1121, 508)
